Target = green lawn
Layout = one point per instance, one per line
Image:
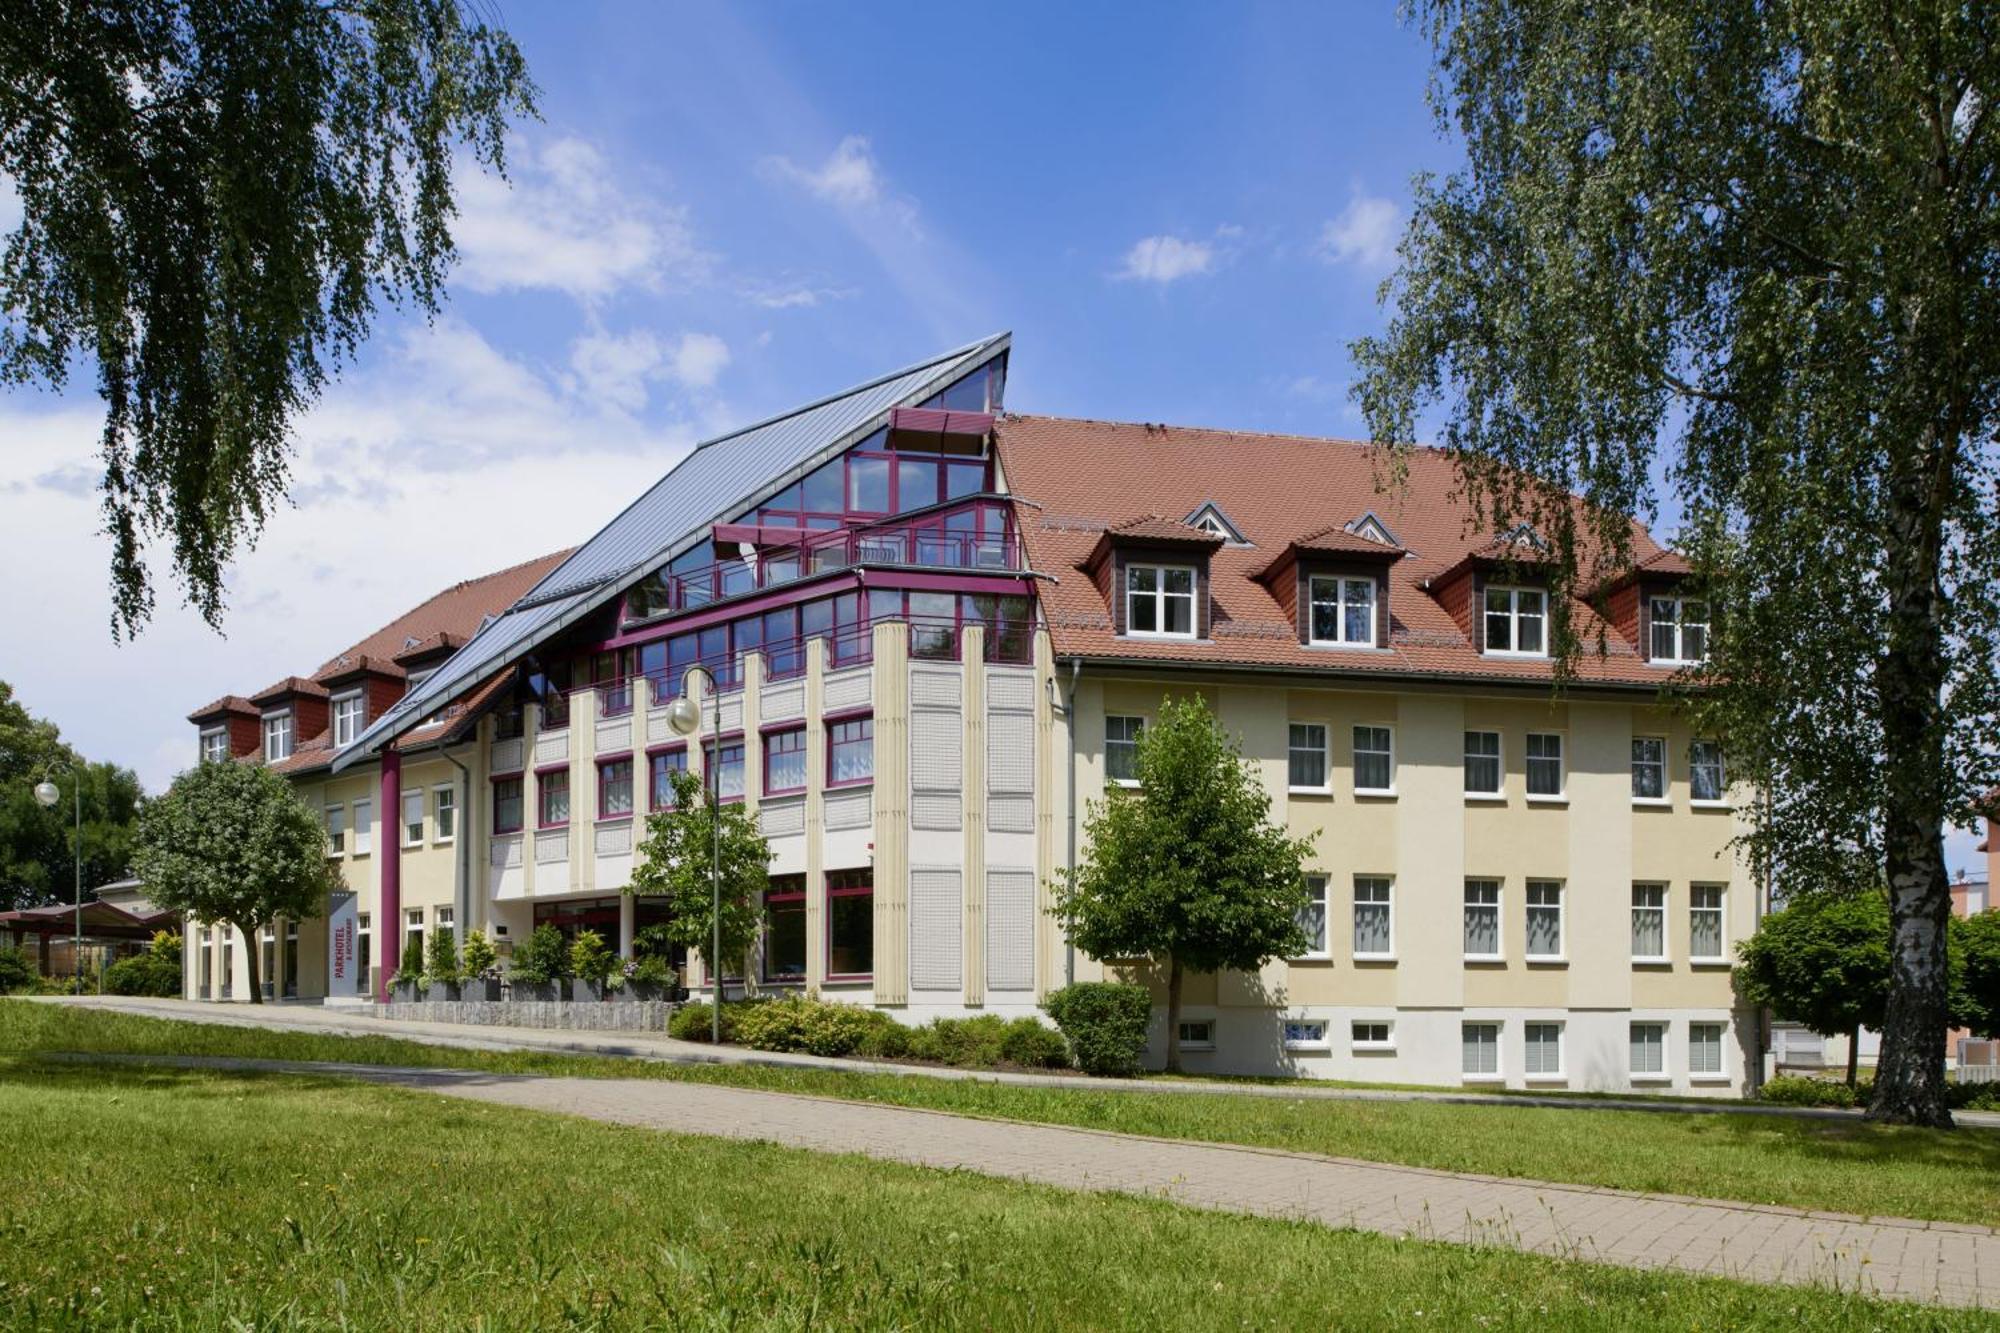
(1844, 1165)
(157, 1198)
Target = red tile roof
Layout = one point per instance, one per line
(311, 689)
(1278, 489)
(228, 703)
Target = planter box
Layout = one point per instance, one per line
(539, 990)
(481, 988)
(440, 991)
(403, 992)
(585, 992)
(646, 990)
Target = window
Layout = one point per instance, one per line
(413, 818)
(725, 768)
(1705, 922)
(1305, 1034)
(1704, 1048)
(1159, 600)
(1705, 780)
(1482, 763)
(1372, 1035)
(1545, 764)
(1680, 629)
(1312, 917)
(1197, 1034)
(1482, 918)
(413, 939)
(507, 805)
(1121, 748)
(215, 745)
(614, 788)
(277, 737)
(336, 830)
(785, 761)
(361, 954)
(785, 935)
(1308, 757)
(1542, 1053)
(850, 924)
(850, 750)
(1343, 611)
(1649, 923)
(660, 781)
(364, 828)
(1479, 1050)
(1374, 927)
(552, 798)
(1374, 761)
(269, 959)
(1514, 619)
(348, 711)
(1649, 768)
(1649, 1048)
(444, 814)
(1545, 918)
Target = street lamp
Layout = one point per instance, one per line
(47, 793)
(685, 718)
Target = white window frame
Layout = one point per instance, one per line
(1721, 914)
(1658, 909)
(1499, 758)
(1696, 764)
(1560, 795)
(1483, 884)
(1679, 621)
(1530, 1074)
(279, 724)
(1159, 597)
(1537, 886)
(1132, 741)
(403, 818)
(1516, 594)
(1664, 1074)
(335, 814)
(1324, 750)
(348, 724)
(1343, 584)
(1355, 739)
(1189, 1043)
(1354, 917)
(1498, 1074)
(215, 739)
(1666, 779)
(444, 797)
(1719, 1074)
(413, 924)
(1323, 1042)
(1371, 1044)
(363, 824)
(1321, 884)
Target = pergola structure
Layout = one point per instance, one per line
(105, 925)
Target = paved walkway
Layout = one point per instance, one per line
(358, 1021)
(1946, 1263)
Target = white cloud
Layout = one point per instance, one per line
(1365, 233)
(699, 359)
(567, 222)
(1165, 259)
(618, 370)
(848, 177)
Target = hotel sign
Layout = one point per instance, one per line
(342, 946)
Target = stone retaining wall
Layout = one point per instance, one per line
(597, 1016)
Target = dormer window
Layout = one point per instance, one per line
(349, 710)
(277, 737)
(1679, 630)
(215, 745)
(1159, 601)
(1515, 621)
(1343, 611)
(1210, 519)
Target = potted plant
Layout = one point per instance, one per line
(441, 971)
(591, 963)
(649, 977)
(482, 975)
(540, 965)
(403, 985)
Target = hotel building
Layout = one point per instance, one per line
(934, 631)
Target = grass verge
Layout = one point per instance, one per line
(1843, 1166)
(169, 1198)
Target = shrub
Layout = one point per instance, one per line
(441, 958)
(543, 957)
(1105, 1022)
(651, 968)
(1033, 1044)
(886, 1039)
(156, 972)
(799, 1023)
(1793, 1090)
(590, 958)
(691, 1021)
(966, 1042)
(1973, 1096)
(16, 972)
(480, 955)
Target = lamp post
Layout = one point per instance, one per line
(685, 718)
(48, 794)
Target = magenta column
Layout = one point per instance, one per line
(389, 848)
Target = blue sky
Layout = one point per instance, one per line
(1182, 212)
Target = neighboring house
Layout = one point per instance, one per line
(117, 922)
(939, 630)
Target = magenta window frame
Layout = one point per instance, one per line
(654, 787)
(849, 892)
(541, 792)
(631, 801)
(784, 733)
(711, 775)
(520, 804)
(798, 896)
(849, 718)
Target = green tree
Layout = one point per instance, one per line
(215, 195)
(1188, 870)
(36, 843)
(1745, 256)
(675, 860)
(234, 844)
(1975, 948)
(1823, 960)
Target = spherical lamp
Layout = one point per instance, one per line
(46, 793)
